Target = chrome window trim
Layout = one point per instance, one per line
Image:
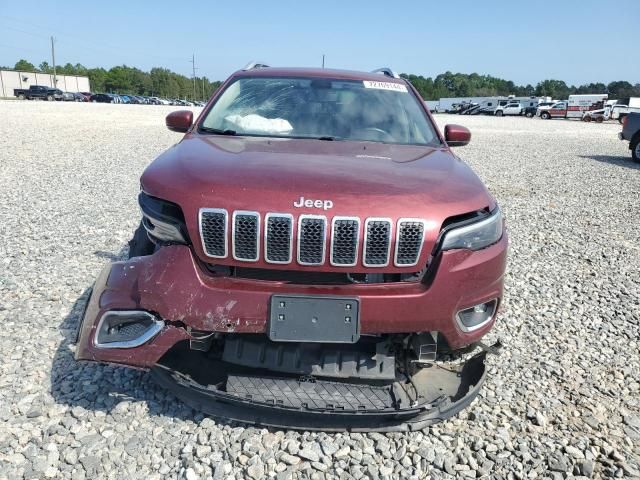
(233, 235)
(395, 253)
(226, 231)
(153, 330)
(366, 236)
(324, 238)
(333, 236)
(266, 230)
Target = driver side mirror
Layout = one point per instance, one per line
(179, 121)
(456, 135)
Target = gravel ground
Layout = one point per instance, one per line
(563, 400)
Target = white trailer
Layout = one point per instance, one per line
(433, 105)
(584, 103)
(634, 102)
(445, 104)
(621, 108)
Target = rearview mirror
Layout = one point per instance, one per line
(179, 121)
(456, 135)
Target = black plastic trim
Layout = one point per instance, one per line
(165, 212)
(222, 404)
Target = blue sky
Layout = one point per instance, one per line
(579, 41)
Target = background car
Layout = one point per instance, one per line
(102, 98)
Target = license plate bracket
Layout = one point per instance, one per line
(314, 318)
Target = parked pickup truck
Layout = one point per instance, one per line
(631, 132)
(38, 91)
(511, 108)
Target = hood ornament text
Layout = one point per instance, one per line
(307, 202)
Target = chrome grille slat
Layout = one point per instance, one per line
(409, 241)
(311, 239)
(278, 237)
(213, 231)
(377, 242)
(344, 241)
(245, 236)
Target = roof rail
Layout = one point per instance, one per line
(386, 71)
(253, 65)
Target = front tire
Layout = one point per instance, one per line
(499, 113)
(545, 115)
(140, 245)
(50, 98)
(21, 96)
(635, 150)
(528, 115)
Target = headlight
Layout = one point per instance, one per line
(163, 220)
(475, 236)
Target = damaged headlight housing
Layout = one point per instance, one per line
(476, 235)
(163, 220)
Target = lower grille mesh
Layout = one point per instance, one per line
(245, 240)
(213, 227)
(410, 236)
(311, 240)
(377, 243)
(278, 239)
(344, 247)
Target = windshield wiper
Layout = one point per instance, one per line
(218, 131)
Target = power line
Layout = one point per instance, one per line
(193, 64)
(53, 60)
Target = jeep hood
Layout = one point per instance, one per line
(364, 179)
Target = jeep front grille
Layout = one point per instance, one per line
(246, 229)
(377, 241)
(278, 237)
(311, 239)
(213, 230)
(315, 234)
(409, 243)
(344, 241)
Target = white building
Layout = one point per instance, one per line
(11, 79)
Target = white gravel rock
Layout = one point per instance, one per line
(562, 400)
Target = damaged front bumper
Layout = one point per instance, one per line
(156, 313)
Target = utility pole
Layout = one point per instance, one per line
(323, 60)
(193, 63)
(203, 98)
(53, 60)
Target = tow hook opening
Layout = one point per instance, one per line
(126, 329)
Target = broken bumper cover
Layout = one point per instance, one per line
(176, 289)
(315, 404)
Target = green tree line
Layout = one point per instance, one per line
(473, 85)
(165, 83)
(160, 82)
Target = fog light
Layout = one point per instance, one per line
(473, 318)
(126, 329)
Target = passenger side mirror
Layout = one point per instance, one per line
(456, 135)
(179, 121)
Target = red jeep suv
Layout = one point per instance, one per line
(311, 255)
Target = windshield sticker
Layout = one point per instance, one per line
(396, 87)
